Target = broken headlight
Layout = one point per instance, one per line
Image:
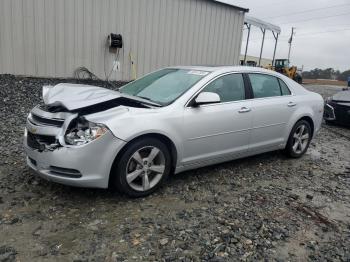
(84, 132)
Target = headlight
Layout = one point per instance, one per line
(328, 99)
(84, 132)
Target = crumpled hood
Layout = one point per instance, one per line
(75, 96)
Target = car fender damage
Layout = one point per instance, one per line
(65, 110)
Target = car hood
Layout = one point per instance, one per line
(343, 96)
(75, 96)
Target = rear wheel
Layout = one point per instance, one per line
(299, 139)
(142, 168)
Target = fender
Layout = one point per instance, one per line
(300, 112)
(130, 123)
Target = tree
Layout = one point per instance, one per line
(344, 76)
(317, 73)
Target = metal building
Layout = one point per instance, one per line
(51, 38)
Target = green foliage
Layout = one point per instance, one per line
(344, 76)
(317, 73)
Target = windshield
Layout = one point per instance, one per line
(164, 86)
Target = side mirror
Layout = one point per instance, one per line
(205, 98)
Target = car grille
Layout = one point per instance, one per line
(44, 121)
(38, 141)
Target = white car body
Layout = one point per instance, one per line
(197, 136)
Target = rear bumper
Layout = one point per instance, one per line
(81, 166)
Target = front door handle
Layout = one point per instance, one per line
(291, 104)
(244, 110)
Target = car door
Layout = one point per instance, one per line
(272, 107)
(221, 130)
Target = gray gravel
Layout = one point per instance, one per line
(266, 207)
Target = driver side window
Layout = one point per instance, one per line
(229, 88)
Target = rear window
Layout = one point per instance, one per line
(268, 86)
(264, 85)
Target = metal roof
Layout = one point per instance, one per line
(233, 6)
(262, 24)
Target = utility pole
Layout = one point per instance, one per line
(290, 43)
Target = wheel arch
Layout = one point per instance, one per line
(165, 139)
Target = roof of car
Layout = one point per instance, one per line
(209, 68)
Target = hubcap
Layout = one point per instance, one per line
(145, 168)
(300, 139)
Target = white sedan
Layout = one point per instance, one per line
(169, 121)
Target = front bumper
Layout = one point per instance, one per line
(329, 113)
(337, 112)
(82, 166)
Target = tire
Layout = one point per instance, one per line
(296, 147)
(144, 174)
(298, 79)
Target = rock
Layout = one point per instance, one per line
(94, 225)
(7, 254)
(248, 242)
(37, 231)
(163, 241)
(310, 197)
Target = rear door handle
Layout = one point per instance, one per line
(244, 110)
(291, 104)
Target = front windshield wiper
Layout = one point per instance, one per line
(142, 100)
(149, 99)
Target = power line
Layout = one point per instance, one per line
(315, 18)
(319, 33)
(327, 31)
(307, 11)
(271, 4)
(305, 35)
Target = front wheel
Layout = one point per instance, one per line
(299, 139)
(142, 167)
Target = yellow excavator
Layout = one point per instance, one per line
(282, 66)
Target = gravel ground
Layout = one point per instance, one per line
(266, 207)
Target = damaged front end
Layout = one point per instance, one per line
(62, 145)
(45, 130)
(81, 132)
(60, 121)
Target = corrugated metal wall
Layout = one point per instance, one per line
(54, 37)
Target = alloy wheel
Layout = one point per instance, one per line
(145, 168)
(301, 138)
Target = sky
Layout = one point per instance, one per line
(322, 27)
